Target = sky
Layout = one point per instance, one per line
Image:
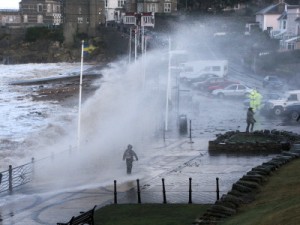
(9, 4)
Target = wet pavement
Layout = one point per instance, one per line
(39, 203)
(176, 159)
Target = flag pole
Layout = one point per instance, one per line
(80, 93)
(168, 94)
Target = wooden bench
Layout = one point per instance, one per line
(83, 218)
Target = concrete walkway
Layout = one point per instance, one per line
(39, 203)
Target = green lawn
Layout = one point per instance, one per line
(149, 214)
(278, 203)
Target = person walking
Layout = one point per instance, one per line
(250, 120)
(129, 155)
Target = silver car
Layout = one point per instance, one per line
(233, 90)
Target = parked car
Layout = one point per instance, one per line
(232, 90)
(292, 112)
(219, 85)
(200, 85)
(272, 82)
(265, 98)
(276, 107)
(193, 82)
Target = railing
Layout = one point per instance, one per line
(20, 175)
(166, 193)
(15, 177)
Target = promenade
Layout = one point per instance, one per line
(47, 201)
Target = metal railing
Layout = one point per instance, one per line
(15, 177)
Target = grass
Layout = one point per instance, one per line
(243, 137)
(278, 203)
(149, 214)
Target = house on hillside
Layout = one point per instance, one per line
(158, 6)
(83, 17)
(10, 17)
(281, 21)
(290, 27)
(267, 18)
(40, 12)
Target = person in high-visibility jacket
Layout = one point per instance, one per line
(258, 98)
(252, 97)
(255, 100)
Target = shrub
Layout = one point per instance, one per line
(36, 33)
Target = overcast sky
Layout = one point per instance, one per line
(9, 4)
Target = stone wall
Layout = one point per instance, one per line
(264, 141)
(244, 190)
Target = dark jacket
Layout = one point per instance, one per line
(250, 116)
(129, 154)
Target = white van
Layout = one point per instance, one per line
(277, 106)
(195, 69)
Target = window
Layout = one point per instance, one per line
(39, 18)
(167, 7)
(25, 18)
(79, 10)
(129, 19)
(292, 97)
(241, 87)
(87, 20)
(49, 8)
(40, 8)
(80, 20)
(233, 87)
(56, 19)
(284, 24)
(152, 7)
(56, 8)
(291, 46)
(121, 3)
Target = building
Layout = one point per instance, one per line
(40, 12)
(158, 6)
(290, 28)
(282, 21)
(10, 18)
(268, 17)
(82, 17)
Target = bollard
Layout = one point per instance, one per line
(190, 190)
(138, 191)
(218, 191)
(115, 192)
(10, 179)
(164, 191)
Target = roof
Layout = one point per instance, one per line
(292, 39)
(280, 33)
(293, 92)
(273, 9)
(283, 16)
(292, 2)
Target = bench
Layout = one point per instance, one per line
(83, 218)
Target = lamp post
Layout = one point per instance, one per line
(168, 93)
(80, 93)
